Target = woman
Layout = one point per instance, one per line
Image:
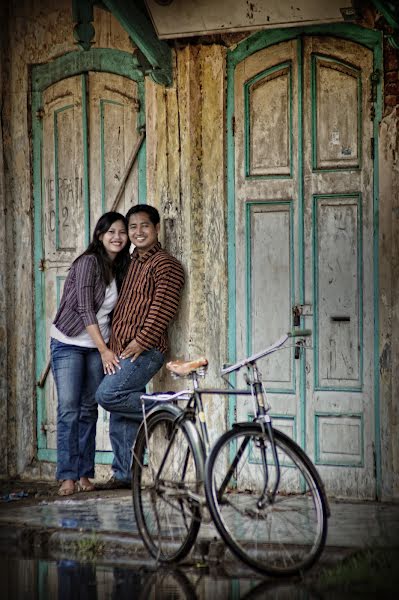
(79, 354)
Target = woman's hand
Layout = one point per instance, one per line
(110, 361)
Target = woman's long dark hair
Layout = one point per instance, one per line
(109, 268)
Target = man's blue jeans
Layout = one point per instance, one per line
(120, 395)
(77, 374)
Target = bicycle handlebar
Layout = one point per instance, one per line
(254, 357)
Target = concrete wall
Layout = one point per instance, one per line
(185, 178)
(3, 258)
(389, 301)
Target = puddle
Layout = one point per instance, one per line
(71, 580)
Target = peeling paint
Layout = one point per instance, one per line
(386, 358)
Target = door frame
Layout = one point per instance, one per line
(42, 76)
(258, 41)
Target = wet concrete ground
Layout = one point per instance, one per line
(59, 523)
(87, 546)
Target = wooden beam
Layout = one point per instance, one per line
(390, 10)
(132, 16)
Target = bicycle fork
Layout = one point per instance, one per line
(263, 418)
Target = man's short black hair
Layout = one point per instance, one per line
(151, 211)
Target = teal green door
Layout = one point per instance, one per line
(303, 235)
(86, 126)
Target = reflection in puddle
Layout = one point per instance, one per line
(71, 580)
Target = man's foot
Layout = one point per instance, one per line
(84, 485)
(67, 488)
(115, 484)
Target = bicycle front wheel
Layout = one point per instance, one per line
(166, 475)
(281, 535)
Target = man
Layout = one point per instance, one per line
(148, 301)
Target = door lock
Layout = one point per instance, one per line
(296, 313)
(301, 310)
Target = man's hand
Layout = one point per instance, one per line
(132, 349)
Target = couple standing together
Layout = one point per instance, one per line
(93, 362)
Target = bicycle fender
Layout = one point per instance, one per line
(188, 425)
(242, 424)
(304, 456)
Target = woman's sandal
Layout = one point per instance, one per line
(85, 486)
(67, 488)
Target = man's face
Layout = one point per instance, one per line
(142, 232)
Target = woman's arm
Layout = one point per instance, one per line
(86, 280)
(109, 359)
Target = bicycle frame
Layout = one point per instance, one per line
(195, 407)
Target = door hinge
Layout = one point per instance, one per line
(374, 80)
(40, 113)
(44, 427)
(372, 148)
(233, 125)
(42, 264)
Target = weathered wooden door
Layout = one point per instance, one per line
(303, 168)
(89, 125)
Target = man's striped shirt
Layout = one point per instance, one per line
(148, 300)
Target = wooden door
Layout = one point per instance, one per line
(304, 241)
(89, 129)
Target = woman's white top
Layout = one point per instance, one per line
(104, 322)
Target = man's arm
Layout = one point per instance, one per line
(169, 280)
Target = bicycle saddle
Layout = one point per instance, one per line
(185, 367)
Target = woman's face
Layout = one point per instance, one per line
(115, 239)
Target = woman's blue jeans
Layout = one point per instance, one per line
(77, 374)
(120, 395)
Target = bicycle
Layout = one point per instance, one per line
(264, 494)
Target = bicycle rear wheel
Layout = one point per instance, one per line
(281, 537)
(166, 473)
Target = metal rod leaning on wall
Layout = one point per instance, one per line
(44, 374)
(129, 166)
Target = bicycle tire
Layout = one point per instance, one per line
(167, 518)
(281, 538)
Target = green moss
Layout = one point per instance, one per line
(88, 548)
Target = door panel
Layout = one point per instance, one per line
(63, 215)
(303, 236)
(266, 229)
(271, 272)
(336, 106)
(114, 109)
(272, 128)
(89, 130)
(338, 277)
(337, 290)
